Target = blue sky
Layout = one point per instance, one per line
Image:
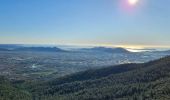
(92, 22)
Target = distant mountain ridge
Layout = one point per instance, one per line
(105, 49)
(40, 49)
(3, 49)
(10, 47)
(56, 49)
(22, 47)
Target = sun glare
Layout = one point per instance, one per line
(133, 2)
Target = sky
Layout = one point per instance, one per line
(85, 22)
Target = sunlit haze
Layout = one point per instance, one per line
(133, 2)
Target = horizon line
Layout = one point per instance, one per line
(127, 46)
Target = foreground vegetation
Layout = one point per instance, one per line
(148, 81)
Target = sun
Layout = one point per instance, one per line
(133, 2)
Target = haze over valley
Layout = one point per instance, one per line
(20, 62)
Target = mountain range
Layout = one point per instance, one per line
(39, 49)
(12, 47)
(56, 49)
(30, 49)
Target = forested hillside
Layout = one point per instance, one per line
(134, 82)
(148, 81)
(9, 92)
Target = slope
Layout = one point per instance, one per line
(140, 82)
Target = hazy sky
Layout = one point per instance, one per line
(108, 22)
